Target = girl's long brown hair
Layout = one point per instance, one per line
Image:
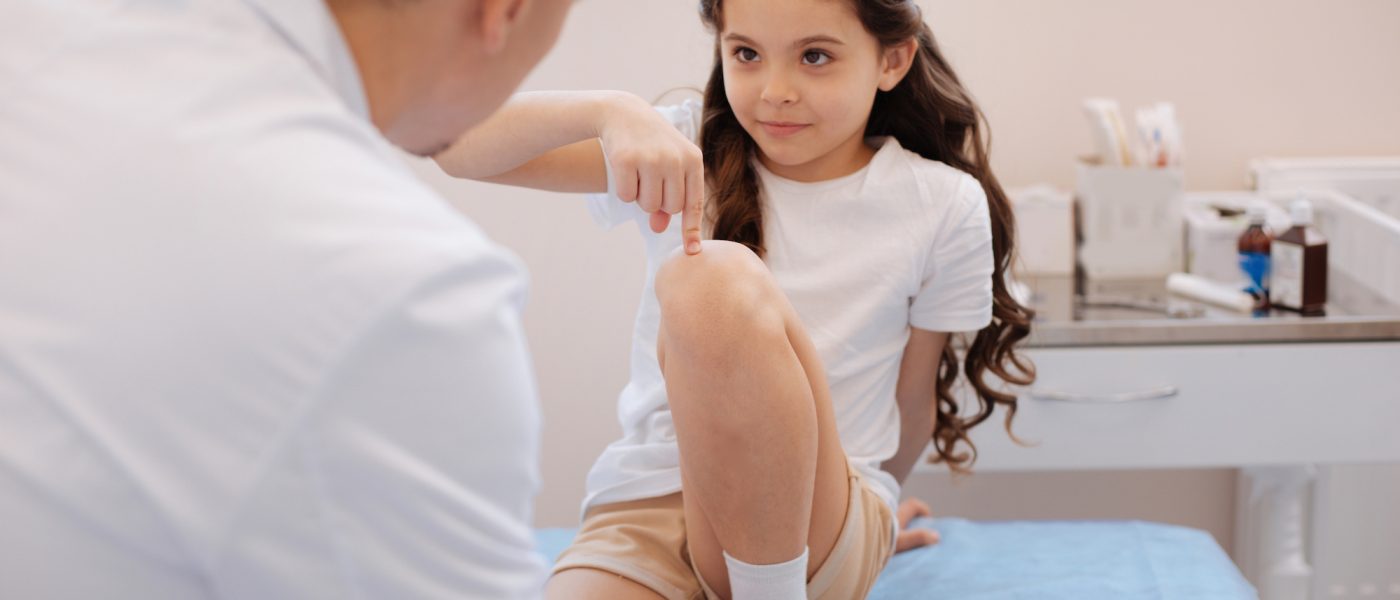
(930, 113)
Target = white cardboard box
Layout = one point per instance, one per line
(1132, 222)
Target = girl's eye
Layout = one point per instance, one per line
(746, 54)
(815, 58)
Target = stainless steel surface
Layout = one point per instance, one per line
(1142, 313)
(1161, 393)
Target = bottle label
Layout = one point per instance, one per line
(1286, 284)
(1255, 266)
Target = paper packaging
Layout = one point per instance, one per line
(1132, 222)
(1044, 230)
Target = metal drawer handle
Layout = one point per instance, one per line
(1161, 393)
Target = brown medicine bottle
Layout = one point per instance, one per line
(1298, 280)
(1255, 254)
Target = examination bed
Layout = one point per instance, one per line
(1048, 560)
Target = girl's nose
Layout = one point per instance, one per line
(779, 91)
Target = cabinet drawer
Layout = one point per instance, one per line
(1202, 406)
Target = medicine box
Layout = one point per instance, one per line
(1131, 221)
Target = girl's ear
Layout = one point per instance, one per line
(896, 63)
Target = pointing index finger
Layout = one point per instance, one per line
(694, 211)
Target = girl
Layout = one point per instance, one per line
(786, 376)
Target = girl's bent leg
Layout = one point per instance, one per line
(592, 584)
(763, 471)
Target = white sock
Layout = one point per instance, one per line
(783, 581)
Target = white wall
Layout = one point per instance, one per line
(1249, 77)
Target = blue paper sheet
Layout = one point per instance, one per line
(1048, 560)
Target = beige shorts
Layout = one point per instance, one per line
(645, 541)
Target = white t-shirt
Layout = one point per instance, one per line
(244, 352)
(903, 242)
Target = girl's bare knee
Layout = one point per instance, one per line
(726, 285)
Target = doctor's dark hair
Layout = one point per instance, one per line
(929, 113)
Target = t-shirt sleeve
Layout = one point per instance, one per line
(607, 209)
(956, 292)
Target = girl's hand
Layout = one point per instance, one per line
(910, 539)
(654, 166)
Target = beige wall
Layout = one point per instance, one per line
(1249, 77)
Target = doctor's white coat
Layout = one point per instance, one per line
(244, 353)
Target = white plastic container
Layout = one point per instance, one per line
(1044, 230)
(1212, 240)
(1374, 181)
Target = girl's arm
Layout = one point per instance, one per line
(505, 148)
(916, 393)
(558, 140)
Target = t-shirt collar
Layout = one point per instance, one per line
(886, 146)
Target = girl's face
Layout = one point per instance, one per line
(801, 76)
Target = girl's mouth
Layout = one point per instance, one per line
(780, 129)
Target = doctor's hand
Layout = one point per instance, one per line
(910, 539)
(654, 166)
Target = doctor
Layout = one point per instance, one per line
(243, 352)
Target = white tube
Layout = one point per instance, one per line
(1210, 292)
